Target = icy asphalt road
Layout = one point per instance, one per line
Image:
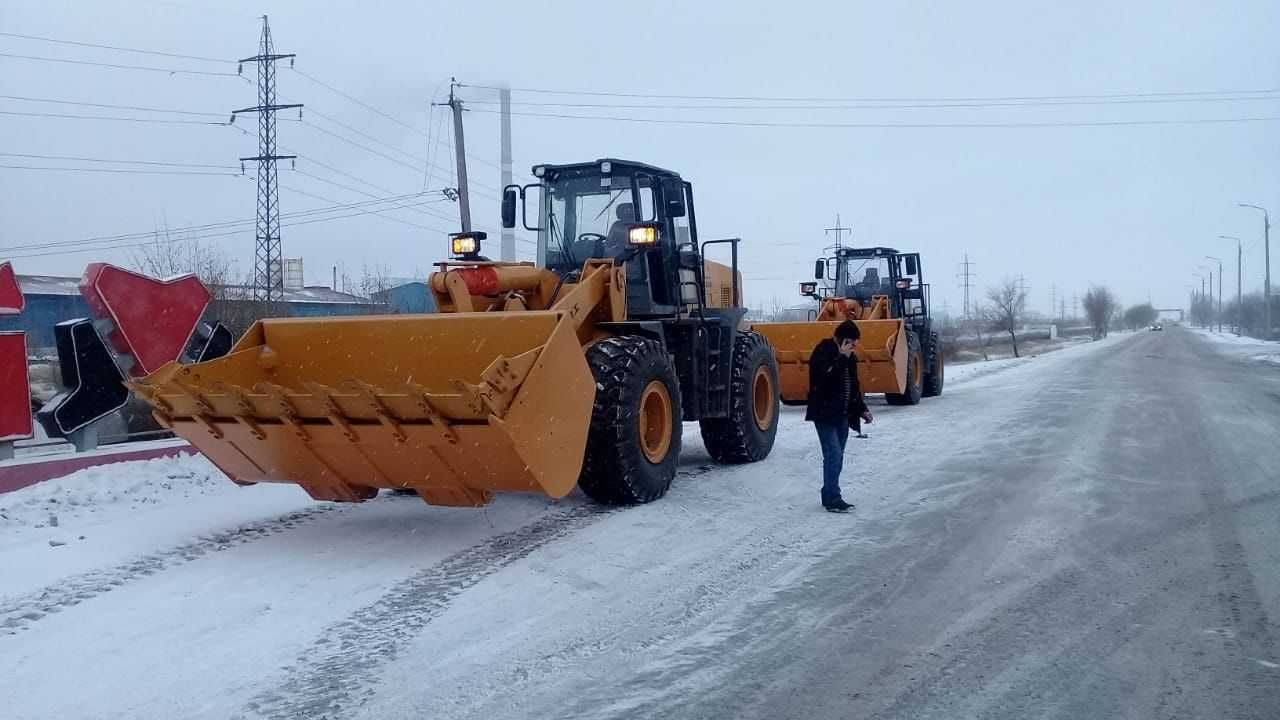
(1092, 533)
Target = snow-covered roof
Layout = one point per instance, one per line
(48, 285)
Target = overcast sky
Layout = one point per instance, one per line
(1133, 206)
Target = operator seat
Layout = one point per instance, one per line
(615, 243)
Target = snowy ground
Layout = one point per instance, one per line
(163, 590)
(1242, 346)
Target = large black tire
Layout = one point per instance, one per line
(627, 461)
(934, 378)
(915, 374)
(748, 433)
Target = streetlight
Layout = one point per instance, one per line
(1219, 291)
(1239, 282)
(1200, 297)
(1266, 283)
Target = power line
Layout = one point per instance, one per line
(120, 170)
(903, 126)
(357, 101)
(114, 47)
(911, 106)
(72, 116)
(378, 213)
(385, 156)
(220, 224)
(116, 66)
(977, 98)
(121, 162)
(111, 107)
(180, 239)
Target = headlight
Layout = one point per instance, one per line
(465, 245)
(642, 235)
(904, 284)
(808, 288)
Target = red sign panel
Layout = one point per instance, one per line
(15, 387)
(153, 318)
(11, 300)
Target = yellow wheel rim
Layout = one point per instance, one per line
(764, 398)
(655, 421)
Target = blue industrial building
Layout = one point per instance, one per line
(409, 297)
(52, 299)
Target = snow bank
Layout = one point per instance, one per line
(1242, 346)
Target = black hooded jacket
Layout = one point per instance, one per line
(834, 395)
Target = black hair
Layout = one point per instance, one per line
(847, 330)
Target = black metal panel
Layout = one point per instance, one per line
(95, 385)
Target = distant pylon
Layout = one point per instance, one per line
(268, 261)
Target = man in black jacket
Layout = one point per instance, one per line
(835, 403)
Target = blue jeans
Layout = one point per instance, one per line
(832, 438)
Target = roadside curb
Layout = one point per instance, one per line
(25, 472)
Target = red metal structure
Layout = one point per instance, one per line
(152, 320)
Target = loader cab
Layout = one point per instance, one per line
(628, 211)
(861, 273)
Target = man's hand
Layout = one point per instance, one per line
(846, 348)
(867, 417)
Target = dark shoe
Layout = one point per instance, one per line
(839, 506)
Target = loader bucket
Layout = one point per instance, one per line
(882, 354)
(454, 406)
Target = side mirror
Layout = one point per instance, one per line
(673, 197)
(819, 269)
(509, 207)
(913, 268)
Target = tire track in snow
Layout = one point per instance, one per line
(21, 612)
(337, 673)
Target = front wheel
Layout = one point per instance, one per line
(633, 444)
(937, 374)
(915, 375)
(748, 433)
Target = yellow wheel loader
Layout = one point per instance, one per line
(882, 290)
(577, 370)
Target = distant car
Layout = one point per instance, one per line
(1157, 326)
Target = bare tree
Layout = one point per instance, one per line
(1099, 306)
(1007, 303)
(374, 279)
(978, 326)
(232, 303)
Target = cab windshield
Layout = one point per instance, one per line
(586, 217)
(863, 277)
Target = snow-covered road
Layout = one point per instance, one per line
(1087, 533)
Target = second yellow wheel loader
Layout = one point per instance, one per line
(882, 290)
(577, 370)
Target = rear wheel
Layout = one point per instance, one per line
(937, 373)
(748, 433)
(915, 375)
(633, 444)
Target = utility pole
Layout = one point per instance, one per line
(1220, 284)
(504, 103)
(460, 158)
(1239, 282)
(966, 275)
(838, 230)
(1053, 298)
(1075, 306)
(1266, 282)
(268, 262)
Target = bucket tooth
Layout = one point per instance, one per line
(423, 400)
(333, 412)
(370, 395)
(288, 413)
(246, 413)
